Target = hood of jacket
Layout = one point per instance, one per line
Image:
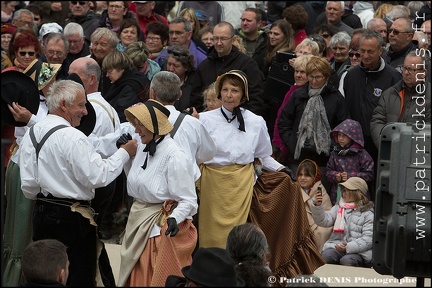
(352, 129)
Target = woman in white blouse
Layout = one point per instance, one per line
(159, 237)
(227, 180)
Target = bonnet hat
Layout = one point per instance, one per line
(212, 267)
(42, 72)
(355, 183)
(20, 88)
(237, 112)
(237, 73)
(152, 114)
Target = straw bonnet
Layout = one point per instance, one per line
(42, 72)
(355, 183)
(152, 114)
(20, 88)
(236, 73)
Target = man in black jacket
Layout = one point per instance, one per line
(364, 84)
(223, 57)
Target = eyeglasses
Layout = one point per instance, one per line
(317, 78)
(352, 54)
(82, 3)
(396, 32)
(24, 53)
(117, 7)
(222, 39)
(325, 36)
(177, 54)
(153, 39)
(409, 69)
(52, 53)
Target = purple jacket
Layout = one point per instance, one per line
(198, 53)
(354, 159)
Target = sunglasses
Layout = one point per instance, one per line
(23, 53)
(82, 3)
(352, 54)
(396, 32)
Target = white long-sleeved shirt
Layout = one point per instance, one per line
(68, 164)
(20, 131)
(193, 138)
(168, 176)
(235, 146)
(107, 122)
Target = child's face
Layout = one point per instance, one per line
(304, 180)
(343, 139)
(212, 101)
(347, 196)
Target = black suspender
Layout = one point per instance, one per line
(39, 145)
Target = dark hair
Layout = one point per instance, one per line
(297, 16)
(182, 55)
(257, 12)
(36, 10)
(248, 247)
(321, 43)
(43, 259)
(205, 29)
(158, 28)
(131, 22)
(330, 29)
(310, 168)
(286, 45)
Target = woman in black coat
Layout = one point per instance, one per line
(128, 87)
(310, 114)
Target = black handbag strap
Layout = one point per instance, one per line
(177, 124)
(39, 145)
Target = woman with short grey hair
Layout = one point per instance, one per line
(339, 44)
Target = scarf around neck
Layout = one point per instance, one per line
(339, 225)
(236, 114)
(314, 124)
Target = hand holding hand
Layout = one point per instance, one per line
(172, 227)
(123, 139)
(341, 247)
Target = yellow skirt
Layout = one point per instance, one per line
(225, 199)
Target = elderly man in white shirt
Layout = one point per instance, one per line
(63, 176)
